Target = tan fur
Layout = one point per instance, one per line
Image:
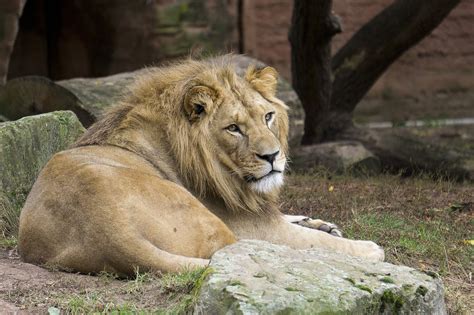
(164, 179)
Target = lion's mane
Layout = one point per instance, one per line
(160, 94)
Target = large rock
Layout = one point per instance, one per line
(338, 157)
(98, 94)
(32, 95)
(25, 147)
(256, 277)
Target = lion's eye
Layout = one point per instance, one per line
(269, 116)
(198, 108)
(233, 128)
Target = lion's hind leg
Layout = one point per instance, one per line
(316, 224)
(144, 256)
(147, 257)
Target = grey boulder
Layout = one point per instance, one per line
(256, 277)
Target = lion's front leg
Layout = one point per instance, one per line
(297, 236)
(280, 231)
(316, 224)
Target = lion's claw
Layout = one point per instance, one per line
(316, 224)
(327, 227)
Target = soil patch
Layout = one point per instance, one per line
(30, 288)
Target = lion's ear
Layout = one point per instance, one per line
(198, 102)
(263, 80)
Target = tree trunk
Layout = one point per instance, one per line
(10, 12)
(356, 67)
(310, 36)
(378, 44)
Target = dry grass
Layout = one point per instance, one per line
(422, 223)
(9, 216)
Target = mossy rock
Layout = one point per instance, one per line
(25, 147)
(256, 277)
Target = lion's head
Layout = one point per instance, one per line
(227, 134)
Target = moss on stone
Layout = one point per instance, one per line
(421, 290)
(387, 280)
(350, 280)
(432, 274)
(235, 283)
(392, 300)
(407, 288)
(363, 287)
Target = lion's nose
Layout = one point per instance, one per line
(269, 157)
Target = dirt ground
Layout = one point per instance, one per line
(26, 288)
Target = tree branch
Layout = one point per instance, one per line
(379, 43)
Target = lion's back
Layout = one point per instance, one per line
(65, 199)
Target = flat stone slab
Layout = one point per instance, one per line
(256, 277)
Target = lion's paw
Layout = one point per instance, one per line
(370, 251)
(324, 226)
(316, 224)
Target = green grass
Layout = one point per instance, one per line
(7, 242)
(432, 244)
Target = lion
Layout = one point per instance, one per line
(191, 161)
